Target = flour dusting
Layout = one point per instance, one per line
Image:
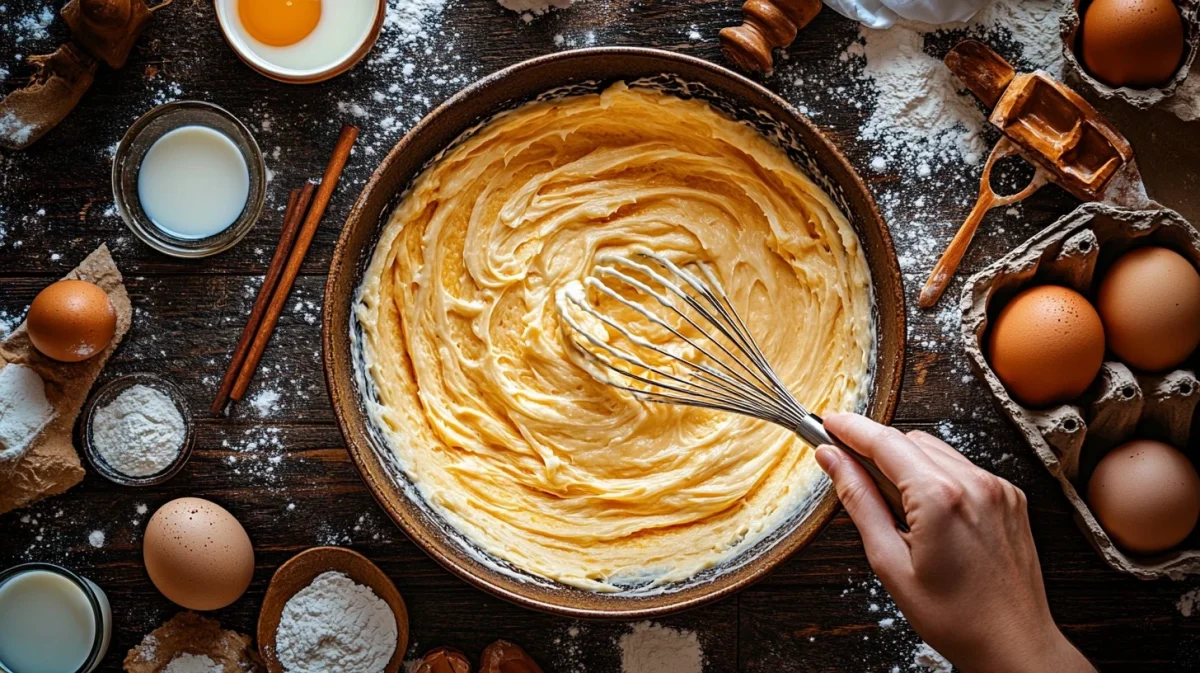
(654, 648)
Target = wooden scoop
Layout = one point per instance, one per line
(1059, 133)
(943, 271)
(301, 570)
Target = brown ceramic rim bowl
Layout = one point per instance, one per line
(504, 90)
(319, 75)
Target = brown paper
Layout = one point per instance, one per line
(189, 633)
(51, 466)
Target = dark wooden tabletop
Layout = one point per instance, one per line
(282, 469)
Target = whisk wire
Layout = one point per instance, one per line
(725, 320)
(710, 396)
(737, 386)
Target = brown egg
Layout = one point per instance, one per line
(1046, 345)
(1134, 43)
(71, 320)
(1149, 301)
(1146, 494)
(197, 554)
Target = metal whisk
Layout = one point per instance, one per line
(694, 349)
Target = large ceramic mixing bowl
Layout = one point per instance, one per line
(590, 70)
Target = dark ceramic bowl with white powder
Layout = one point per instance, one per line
(137, 430)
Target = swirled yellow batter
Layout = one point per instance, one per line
(511, 440)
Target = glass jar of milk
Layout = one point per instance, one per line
(51, 621)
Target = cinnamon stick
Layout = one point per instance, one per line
(333, 172)
(298, 202)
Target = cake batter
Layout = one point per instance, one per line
(487, 408)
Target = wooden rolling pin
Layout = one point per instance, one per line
(766, 25)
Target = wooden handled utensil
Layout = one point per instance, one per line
(944, 270)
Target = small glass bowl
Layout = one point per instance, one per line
(109, 392)
(132, 150)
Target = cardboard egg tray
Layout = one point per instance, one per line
(1121, 404)
(1069, 27)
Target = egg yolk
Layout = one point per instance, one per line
(279, 22)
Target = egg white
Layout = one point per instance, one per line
(344, 25)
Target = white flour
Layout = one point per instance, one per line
(922, 117)
(335, 626)
(265, 402)
(653, 648)
(193, 663)
(140, 433)
(407, 18)
(24, 410)
(928, 659)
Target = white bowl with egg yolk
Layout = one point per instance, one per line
(300, 41)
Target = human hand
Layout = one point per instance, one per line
(966, 574)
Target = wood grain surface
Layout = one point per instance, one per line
(281, 468)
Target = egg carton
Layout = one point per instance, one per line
(1121, 404)
(1069, 26)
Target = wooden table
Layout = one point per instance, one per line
(286, 475)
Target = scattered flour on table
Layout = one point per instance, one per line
(30, 27)
(193, 663)
(335, 626)
(407, 18)
(8, 321)
(15, 128)
(653, 648)
(1187, 602)
(265, 402)
(96, 538)
(922, 116)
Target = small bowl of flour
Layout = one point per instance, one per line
(137, 430)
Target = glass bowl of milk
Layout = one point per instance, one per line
(51, 620)
(189, 179)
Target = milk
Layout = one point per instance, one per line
(47, 623)
(193, 182)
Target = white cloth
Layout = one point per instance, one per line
(884, 13)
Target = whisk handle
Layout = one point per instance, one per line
(812, 430)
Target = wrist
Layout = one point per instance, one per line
(1035, 655)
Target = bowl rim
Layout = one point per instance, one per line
(882, 407)
(292, 75)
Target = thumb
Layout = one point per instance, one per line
(885, 548)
